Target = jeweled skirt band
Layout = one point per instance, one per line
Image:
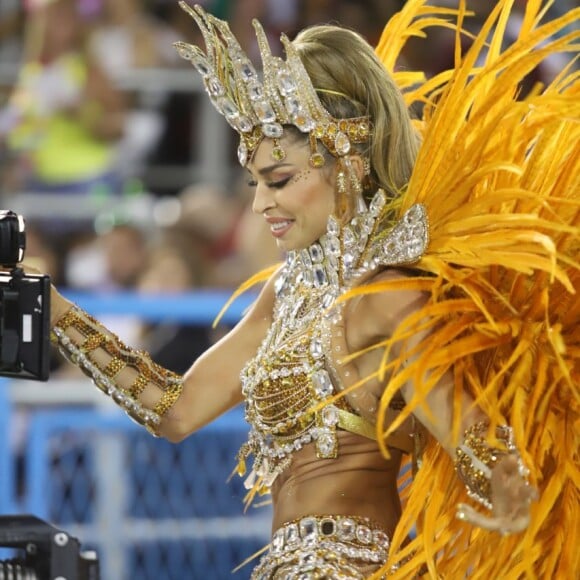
(329, 547)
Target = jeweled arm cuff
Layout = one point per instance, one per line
(79, 336)
(475, 459)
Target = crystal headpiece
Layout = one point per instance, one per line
(260, 108)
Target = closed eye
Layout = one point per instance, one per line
(279, 184)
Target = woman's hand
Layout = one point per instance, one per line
(511, 499)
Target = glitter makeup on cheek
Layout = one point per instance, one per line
(300, 176)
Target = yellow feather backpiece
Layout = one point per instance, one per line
(500, 179)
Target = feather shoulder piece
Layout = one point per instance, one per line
(498, 174)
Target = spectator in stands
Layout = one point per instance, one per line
(112, 260)
(174, 267)
(416, 290)
(230, 241)
(67, 116)
(126, 37)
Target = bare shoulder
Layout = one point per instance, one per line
(381, 312)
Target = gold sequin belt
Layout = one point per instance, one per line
(333, 547)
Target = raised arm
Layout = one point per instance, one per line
(169, 405)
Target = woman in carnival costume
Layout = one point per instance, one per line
(426, 306)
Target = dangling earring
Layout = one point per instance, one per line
(356, 191)
(342, 204)
(352, 190)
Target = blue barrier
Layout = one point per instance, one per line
(45, 424)
(201, 306)
(7, 477)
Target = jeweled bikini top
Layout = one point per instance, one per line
(289, 383)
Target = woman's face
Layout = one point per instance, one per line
(294, 198)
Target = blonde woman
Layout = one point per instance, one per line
(413, 310)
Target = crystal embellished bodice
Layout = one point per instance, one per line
(288, 385)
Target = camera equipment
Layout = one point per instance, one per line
(47, 553)
(24, 307)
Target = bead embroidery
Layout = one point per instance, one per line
(324, 547)
(289, 376)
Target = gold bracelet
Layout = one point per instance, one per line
(475, 459)
(95, 336)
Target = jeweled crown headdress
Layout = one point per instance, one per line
(260, 108)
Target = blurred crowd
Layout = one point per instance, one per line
(71, 124)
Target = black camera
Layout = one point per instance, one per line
(24, 307)
(43, 552)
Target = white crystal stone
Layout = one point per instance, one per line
(278, 541)
(326, 443)
(414, 214)
(201, 64)
(308, 562)
(292, 534)
(316, 348)
(272, 130)
(341, 143)
(306, 259)
(330, 416)
(381, 539)
(322, 383)
(349, 237)
(368, 224)
(332, 226)
(244, 124)
(328, 299)
(333, 245)
(378, 202)
(264, 111)
(308, 529)
(255, 91)
(227, 107)
(242, 154)
(246, 70)
(286, 83)
(334, 282)
(346, 529)
(279, 284)
(293, 106)
(214, 87)
(316, 253)
(348, 259)
(364, 534)
(320, 278)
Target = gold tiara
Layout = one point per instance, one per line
(261, 108)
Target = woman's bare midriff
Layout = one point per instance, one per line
(359, 482)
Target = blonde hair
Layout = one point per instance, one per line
(352, 82)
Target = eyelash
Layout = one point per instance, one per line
(273, 184)
(279, 184)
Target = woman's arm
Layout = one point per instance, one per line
(169, 405)
(493, 475)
